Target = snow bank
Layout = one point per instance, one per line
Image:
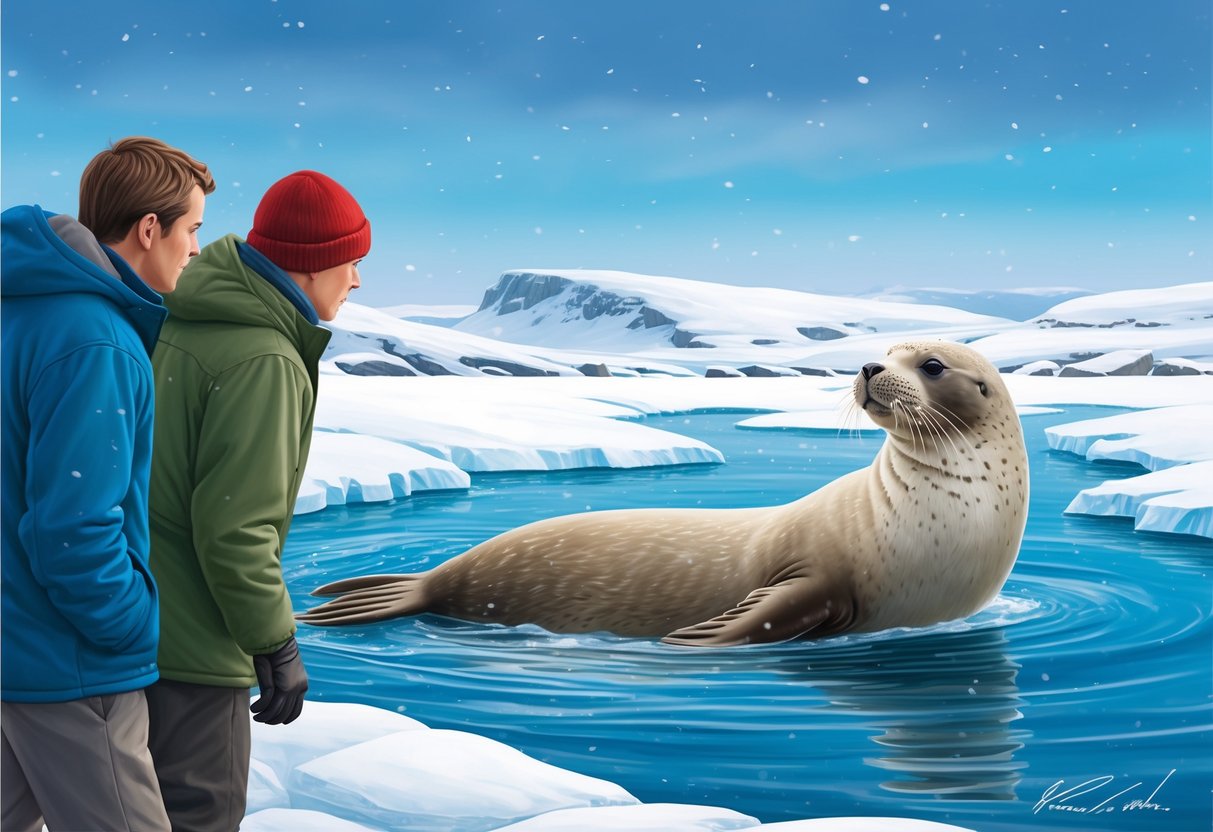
(355, 768)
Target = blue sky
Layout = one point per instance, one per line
(824, 146)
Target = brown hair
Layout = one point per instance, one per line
(137, 176)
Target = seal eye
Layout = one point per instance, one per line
(932, 367)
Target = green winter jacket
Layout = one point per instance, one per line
(235, 373)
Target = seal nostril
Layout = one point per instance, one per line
(870, 370)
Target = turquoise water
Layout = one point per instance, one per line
(1092, 668)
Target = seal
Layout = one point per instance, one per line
(928, 532)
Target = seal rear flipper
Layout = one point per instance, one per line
(364, 582)
(772, 613)
(380, 598)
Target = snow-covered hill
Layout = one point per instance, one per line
(623, 313)
(612, 323)
(1170, 322)
(1016, 304)
(370, 342)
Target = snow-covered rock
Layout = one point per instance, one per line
(1115, 363)
(1182, 367)
(766, 371)
(1039, 368)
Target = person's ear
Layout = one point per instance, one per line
(145, 231)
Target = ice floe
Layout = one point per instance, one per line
(355, 768)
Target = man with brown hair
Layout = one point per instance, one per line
(236, 378)
(81, 316)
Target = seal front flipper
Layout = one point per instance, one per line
(773, 613)
(380, 597)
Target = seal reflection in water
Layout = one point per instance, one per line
(928, 532)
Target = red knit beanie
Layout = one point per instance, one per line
(306, 222)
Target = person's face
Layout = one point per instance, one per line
(171, 251)
(331, 287)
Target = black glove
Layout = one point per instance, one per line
(283, 683)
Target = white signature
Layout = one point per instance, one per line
(1057, 798)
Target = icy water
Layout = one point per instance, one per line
(1085, 687)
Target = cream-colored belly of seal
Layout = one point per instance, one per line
(928, 532)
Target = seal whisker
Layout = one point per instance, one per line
(939, 430)
(960, 434)
(960, 425)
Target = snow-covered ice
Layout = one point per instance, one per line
(350, 468)
(1176, 500)
(1174, 443)
(1155, 439)
(502, 425)
(355, 768)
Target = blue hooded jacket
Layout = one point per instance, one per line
(79, 613)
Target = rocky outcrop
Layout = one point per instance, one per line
(596, 370)
(374, 368)
(522, 290)
(1039, 368)
(820, 333)
(512, 368)
(766, 371)
(1118, 363)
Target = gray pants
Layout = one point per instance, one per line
(82, 766)
(200, 741)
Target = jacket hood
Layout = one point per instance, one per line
(53, 254)
(219, 286)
